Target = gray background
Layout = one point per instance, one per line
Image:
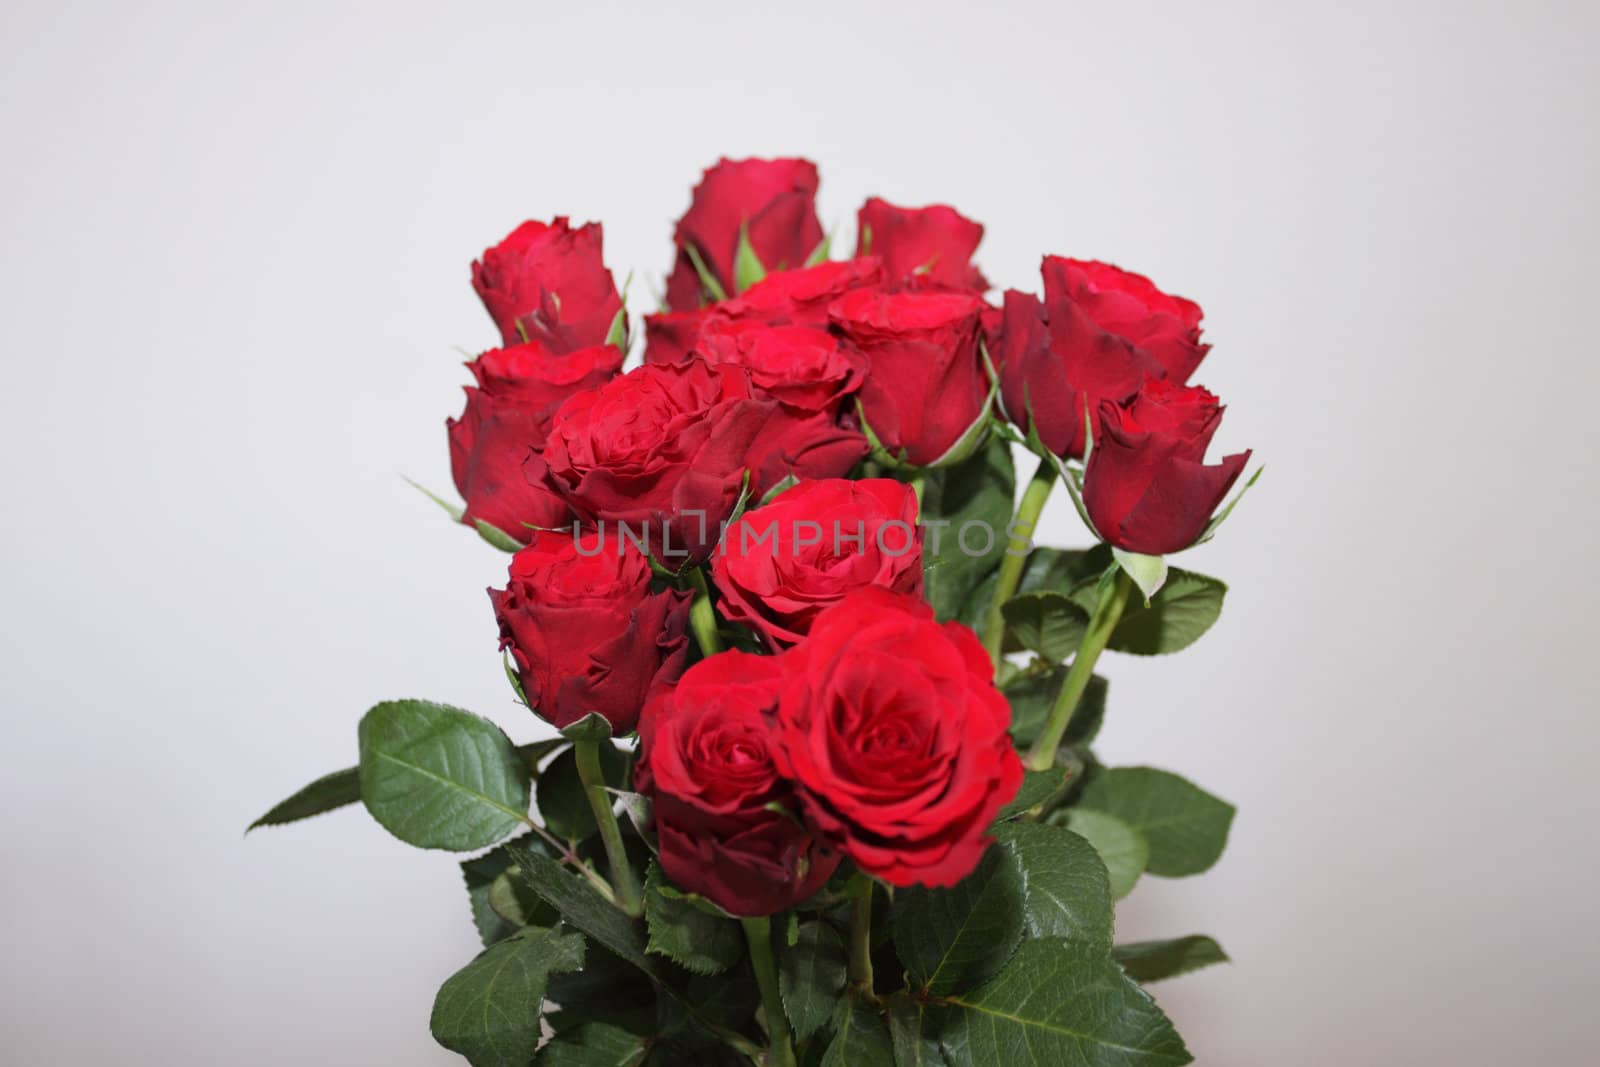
(235, 248)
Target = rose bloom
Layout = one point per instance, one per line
(719, 802)
(1099, 332)
(932, 244)
(926, 383)
(803, 367)
(585, 629)
(896, 737)
(774, 200)
(547, 282)
(495, 444)
(812, 545)
(1147, 487)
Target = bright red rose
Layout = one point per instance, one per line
(896, 737)
(1147, 487)
(934, 244)
(926, 383)
(1097, 335)
(811, 546)
(804, 367)
(775, 199)
(495, 444)
(586, 631)
(705, 759)
(548, 283)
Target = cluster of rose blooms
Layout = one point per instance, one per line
(851, 723)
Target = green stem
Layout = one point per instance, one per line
(918, 482)
(1016, 557)
(702, 618)
(860, 968)
(1042, 755)
(758, 932)
(626, 883)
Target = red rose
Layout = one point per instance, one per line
(813, 544)
(774, 199)
(897, 739)
(586, 631)
(706, 761)
(934, 244)
(495, 444)
(804, 367)
(548, 283)
(1147, 486)
(926, 383)
(1098, 334)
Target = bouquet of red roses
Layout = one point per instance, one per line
(824, 789)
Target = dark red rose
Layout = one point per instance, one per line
(495, 444)
(548, 283)
(669, 336)
(896, 737)
(1097, 335)
(706, 761)
(775, 199)
(586, 631)
(1147, 486)
(811, 546)
(934, 244)
(926, 383)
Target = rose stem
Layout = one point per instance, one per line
(702, 619)
(758, 932)
(860, 971)
(1016, 557)
(629, 898)
(1042, 756)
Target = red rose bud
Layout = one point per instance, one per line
(495, 444)
(547, 283)
(782, 564)
(586, 631)
(933, 244)
(1147, 487)
(1097, 335)
(773, 200)
(706, 761)
(896, 737)
(926, 384)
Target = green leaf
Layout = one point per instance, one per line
(1149, 573)
(916, 1044)
(497, 537)
(1151, 961)
(1123, 850)
(1067, 892)
(982, 490)
(1032, 694)
(501, 904)
(1049, 624)
(1057, 1003)
(439, 777)
(563, 805)
(811, 977)
(692, 938)
(489, 1010)
(1186, 827)
(325, 794)
(1037, 787)
(862, 1039)
(594, 1045)
(747, 268)
(1176, 617)
(583, 907)
(952, 939)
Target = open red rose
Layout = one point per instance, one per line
(811, 546)
(932, 244)
(774, 200)
(803, 367)
(898, 741)
(585, 629)
(547, 282)
(706, 761)
(1098, 333)
(495, 444)
(1147, 487)
(926, 383)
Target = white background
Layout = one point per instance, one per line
(232, 270)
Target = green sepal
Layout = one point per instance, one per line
(820, 253)
(617, 335)
(1216, 520)
(450, 509)
(592, 727)
(1149, 573)
(708, 281)
(747, 268)
(497, 537)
